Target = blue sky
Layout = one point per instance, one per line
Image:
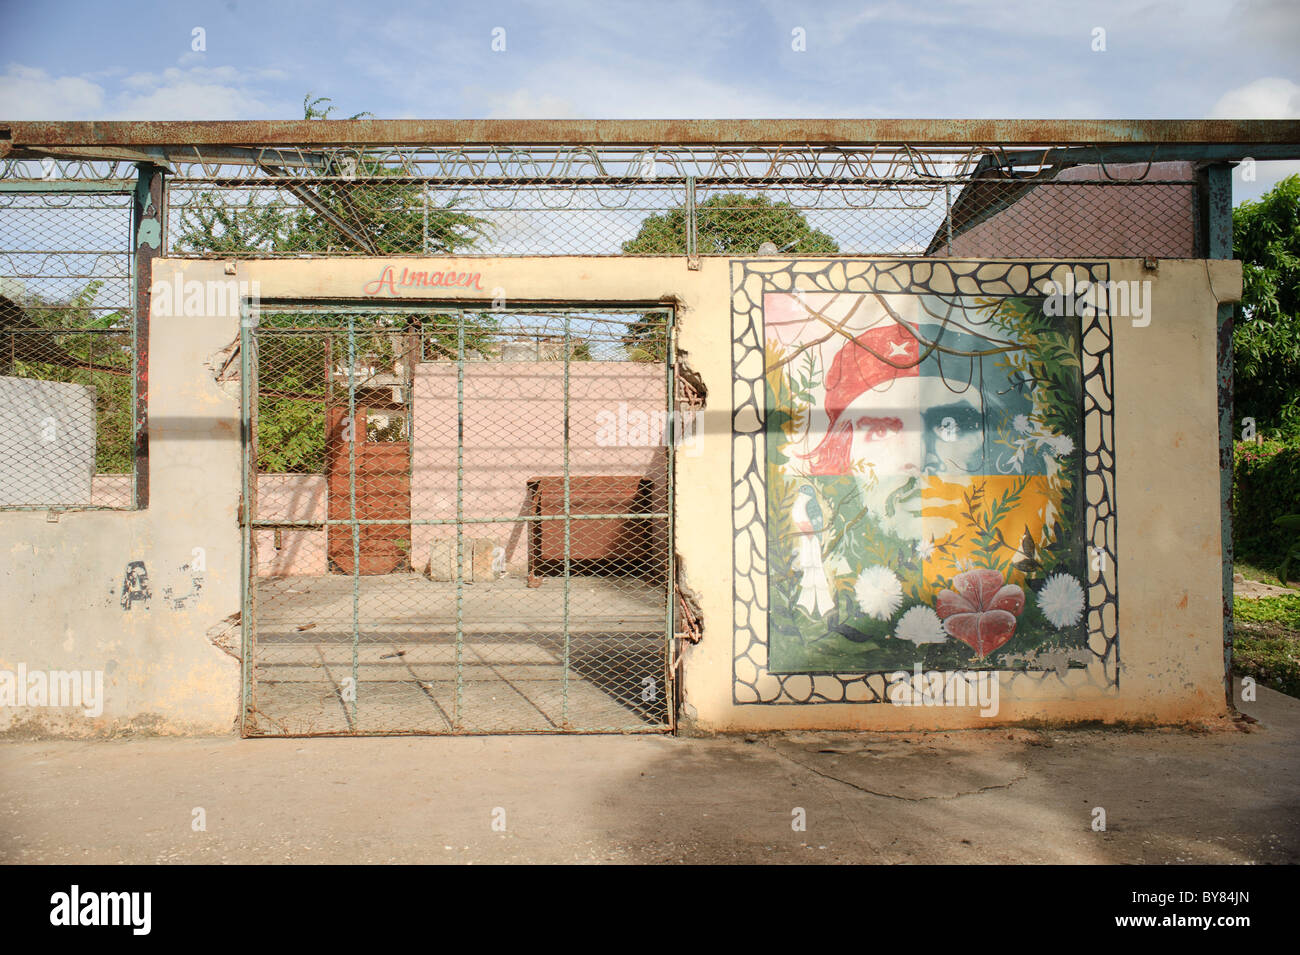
(653, 59)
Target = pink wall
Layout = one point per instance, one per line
(514, 419)
(291, 497)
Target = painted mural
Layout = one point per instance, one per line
(923, 468)
(923, 477)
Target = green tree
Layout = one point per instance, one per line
(344, 207)
(1266, 331)
(328, 212)
(726, 224)
(732, 224)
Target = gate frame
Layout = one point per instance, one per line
(249, 314)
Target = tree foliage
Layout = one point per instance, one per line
(726, 224)
(329, 212)
(344, 207)
(732, 224)
(1266, 333)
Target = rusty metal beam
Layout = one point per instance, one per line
(408, 132)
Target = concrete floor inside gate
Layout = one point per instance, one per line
(510, 673)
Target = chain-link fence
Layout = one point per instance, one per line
(680, 201)
(460, 521)
(67, 346)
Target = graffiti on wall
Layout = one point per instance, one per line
(923, 454)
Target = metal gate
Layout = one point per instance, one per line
(457, 520)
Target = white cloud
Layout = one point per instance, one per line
(30, 93)
(624, 93)
(195, 92)
(1269, 98)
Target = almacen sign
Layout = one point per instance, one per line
(925, 448)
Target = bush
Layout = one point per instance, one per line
(1274, 662)
(1283, 611)
(1266, 485)
(1267, 642)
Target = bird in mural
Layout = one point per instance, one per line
(815, 593)
(1026, 557)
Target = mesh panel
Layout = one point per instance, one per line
(66, 351)
(460, 522)
(884, 200)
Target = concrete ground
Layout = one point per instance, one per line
(510, 674)
(1224, 794)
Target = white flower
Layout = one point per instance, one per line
(925, 549)
(879, 592)
(1021, 424)
(1061, 600)
(921, 625)
(1062, 444)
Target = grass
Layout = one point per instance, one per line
(1267, 642)
(1252, 572)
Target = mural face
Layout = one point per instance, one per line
(924, 481)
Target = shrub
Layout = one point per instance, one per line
(1266, 485)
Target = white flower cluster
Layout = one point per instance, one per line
(1057, 445)
(879, 592)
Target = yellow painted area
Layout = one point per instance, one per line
(954, 513)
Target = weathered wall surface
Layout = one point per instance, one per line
(63, 579)
(47, 442)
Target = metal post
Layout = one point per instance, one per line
(692, 238)
(245, 518)
(148, 221)
(568, 525)
(460, 517)
(1216, 220)
(352, 504)
(670, 689)
(947, 214)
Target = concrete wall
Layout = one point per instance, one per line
(61, 580)
(164, 667)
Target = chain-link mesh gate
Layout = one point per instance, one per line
(457, 521)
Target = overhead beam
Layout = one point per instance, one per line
(431, 132)
(1148, 152)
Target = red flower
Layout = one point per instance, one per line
(980, 610)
